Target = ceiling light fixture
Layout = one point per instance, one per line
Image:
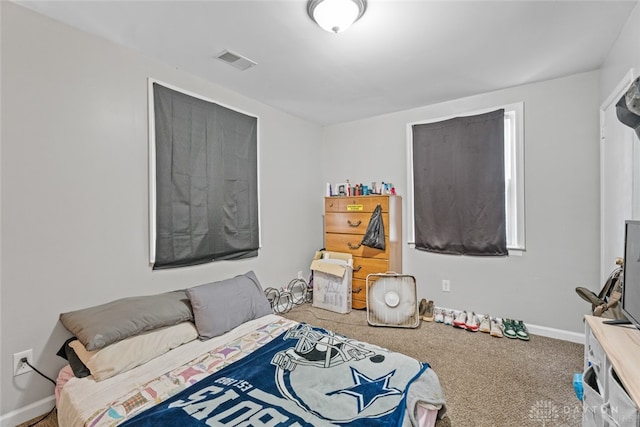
(336, 15)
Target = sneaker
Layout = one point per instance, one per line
(521, 330)
(422, 307)
(439, 317)
(460, 320)
(448, 317)
(471, 323)
(485, 324)
(428, 313)
(508, 328)
(496, 328)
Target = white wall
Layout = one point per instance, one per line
(562, 210)
(620, 164)
(624, 55)
(75, 188)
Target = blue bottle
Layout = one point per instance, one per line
(577, 385)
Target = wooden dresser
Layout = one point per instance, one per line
(345, 222)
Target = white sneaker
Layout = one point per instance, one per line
(485, 324)
(472, 322)
(448, 317)
(496, 328)
(460, 320)
(439, 318)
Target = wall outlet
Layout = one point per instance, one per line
(446, 286)
(20, 367)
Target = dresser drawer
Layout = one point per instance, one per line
(358, 294)
(362, 267)
(351, 222)
(351, 244)
(333, 204)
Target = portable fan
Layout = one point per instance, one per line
(392, 300)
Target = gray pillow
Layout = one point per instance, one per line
(99, 326)
(220, 306)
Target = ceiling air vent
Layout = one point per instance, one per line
(235, 60)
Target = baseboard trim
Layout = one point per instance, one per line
(560, 334)
(29, 412)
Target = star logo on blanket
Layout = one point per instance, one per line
(367, 390)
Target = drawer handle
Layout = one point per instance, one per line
(354, 247)
(356, 291)
(358, 269)
(351, 224)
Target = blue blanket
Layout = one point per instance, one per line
(305, 377)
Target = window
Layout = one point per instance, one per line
(203, 170)
(513, 175)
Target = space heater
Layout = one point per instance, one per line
(392, 300)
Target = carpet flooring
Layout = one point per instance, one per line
(487, 381)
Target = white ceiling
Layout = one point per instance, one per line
(401, 54)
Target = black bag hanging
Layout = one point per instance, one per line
(374, 236)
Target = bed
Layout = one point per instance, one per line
(252, 368)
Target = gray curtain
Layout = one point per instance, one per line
(206, 181)
(459, 189)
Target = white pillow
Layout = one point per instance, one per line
(124, 355)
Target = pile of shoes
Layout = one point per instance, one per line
(470, 321)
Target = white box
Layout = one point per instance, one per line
(332, 283)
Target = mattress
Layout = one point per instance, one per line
(151, 387)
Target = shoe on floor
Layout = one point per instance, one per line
(485, 324)
(439, 317)
(422, 307)
(448, 317)
(460, 320)
(428, 313)
(508, 328)
(471, 323)
(521, 330)
(496, 328)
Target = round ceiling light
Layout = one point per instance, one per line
(336, 15)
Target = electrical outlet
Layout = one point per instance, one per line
(446, 286)
(20, 367)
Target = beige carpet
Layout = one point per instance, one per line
(487, 381)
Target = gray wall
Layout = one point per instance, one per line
(75, 188)
(561, 202)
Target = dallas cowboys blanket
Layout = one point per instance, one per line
(305, 377)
